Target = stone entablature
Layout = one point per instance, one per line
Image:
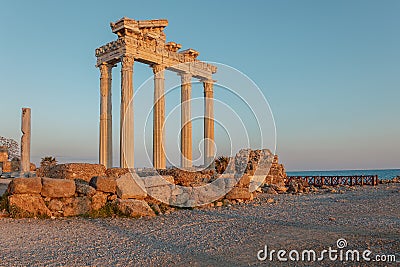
(146, 42)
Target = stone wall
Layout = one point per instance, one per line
(84, 171)
(49, 197)
(84, 189)
(188, 178)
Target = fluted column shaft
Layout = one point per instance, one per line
(105, 142)
(159, 161)
(186, 124)
(208, 123)
(126, 123)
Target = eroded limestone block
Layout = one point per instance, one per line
(117, 172)
(157, 180)
(99, 200)
(104, 184)
(76, 206)
(130, 186)
(244, 181)
(25, 186)
(25, 205)
(161, 193)
(278, 188)
(239, 193)
(83, 188)
(57, 188)
(84, 171)
(55, 205)
(134, 208)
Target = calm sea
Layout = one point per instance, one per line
(382, 174)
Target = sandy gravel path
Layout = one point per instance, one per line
(368, 218)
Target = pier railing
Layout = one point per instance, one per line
(338, 180)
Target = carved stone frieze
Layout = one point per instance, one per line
(146, 41)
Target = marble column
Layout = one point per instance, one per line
(208, 123)
(109, 122)
(159, 161)
(126, 123)
(105, 140)
(186, 124)
(26, 140)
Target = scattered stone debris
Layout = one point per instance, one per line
(92, 190)
(84, 171)
(393, 180)
(298, 186)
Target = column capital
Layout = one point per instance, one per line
(127, 62)
(186, 78)
(105, 69)
(157, 68)
(208, 85)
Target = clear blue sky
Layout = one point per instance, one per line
(329, 69)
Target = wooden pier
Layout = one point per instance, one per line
(338, 180)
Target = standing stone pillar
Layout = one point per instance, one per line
(105, 142)
(126, 123)
(26, 140)
(109, 121)
(208, 123)
(159, 161)
(186, 124)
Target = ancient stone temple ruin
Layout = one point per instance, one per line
(144, 41)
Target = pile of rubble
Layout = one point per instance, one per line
(51, 197)
(86, 189)
(84, 171)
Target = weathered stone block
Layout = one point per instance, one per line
(239, 193)
(269, 190)
(99, 200)
(161, 193)
(84, 171)
(117, 172)
(55, 205)
(157, 180)
(244, 181)
(278, 188)
(77, 206)
(83, 188)
(179, 200)
(25, 186)
(130, 186)
(134, 208)
(24, 205)
(57, 188)
(104, 184)
(207, 194)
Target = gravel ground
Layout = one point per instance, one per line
(367, 217)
